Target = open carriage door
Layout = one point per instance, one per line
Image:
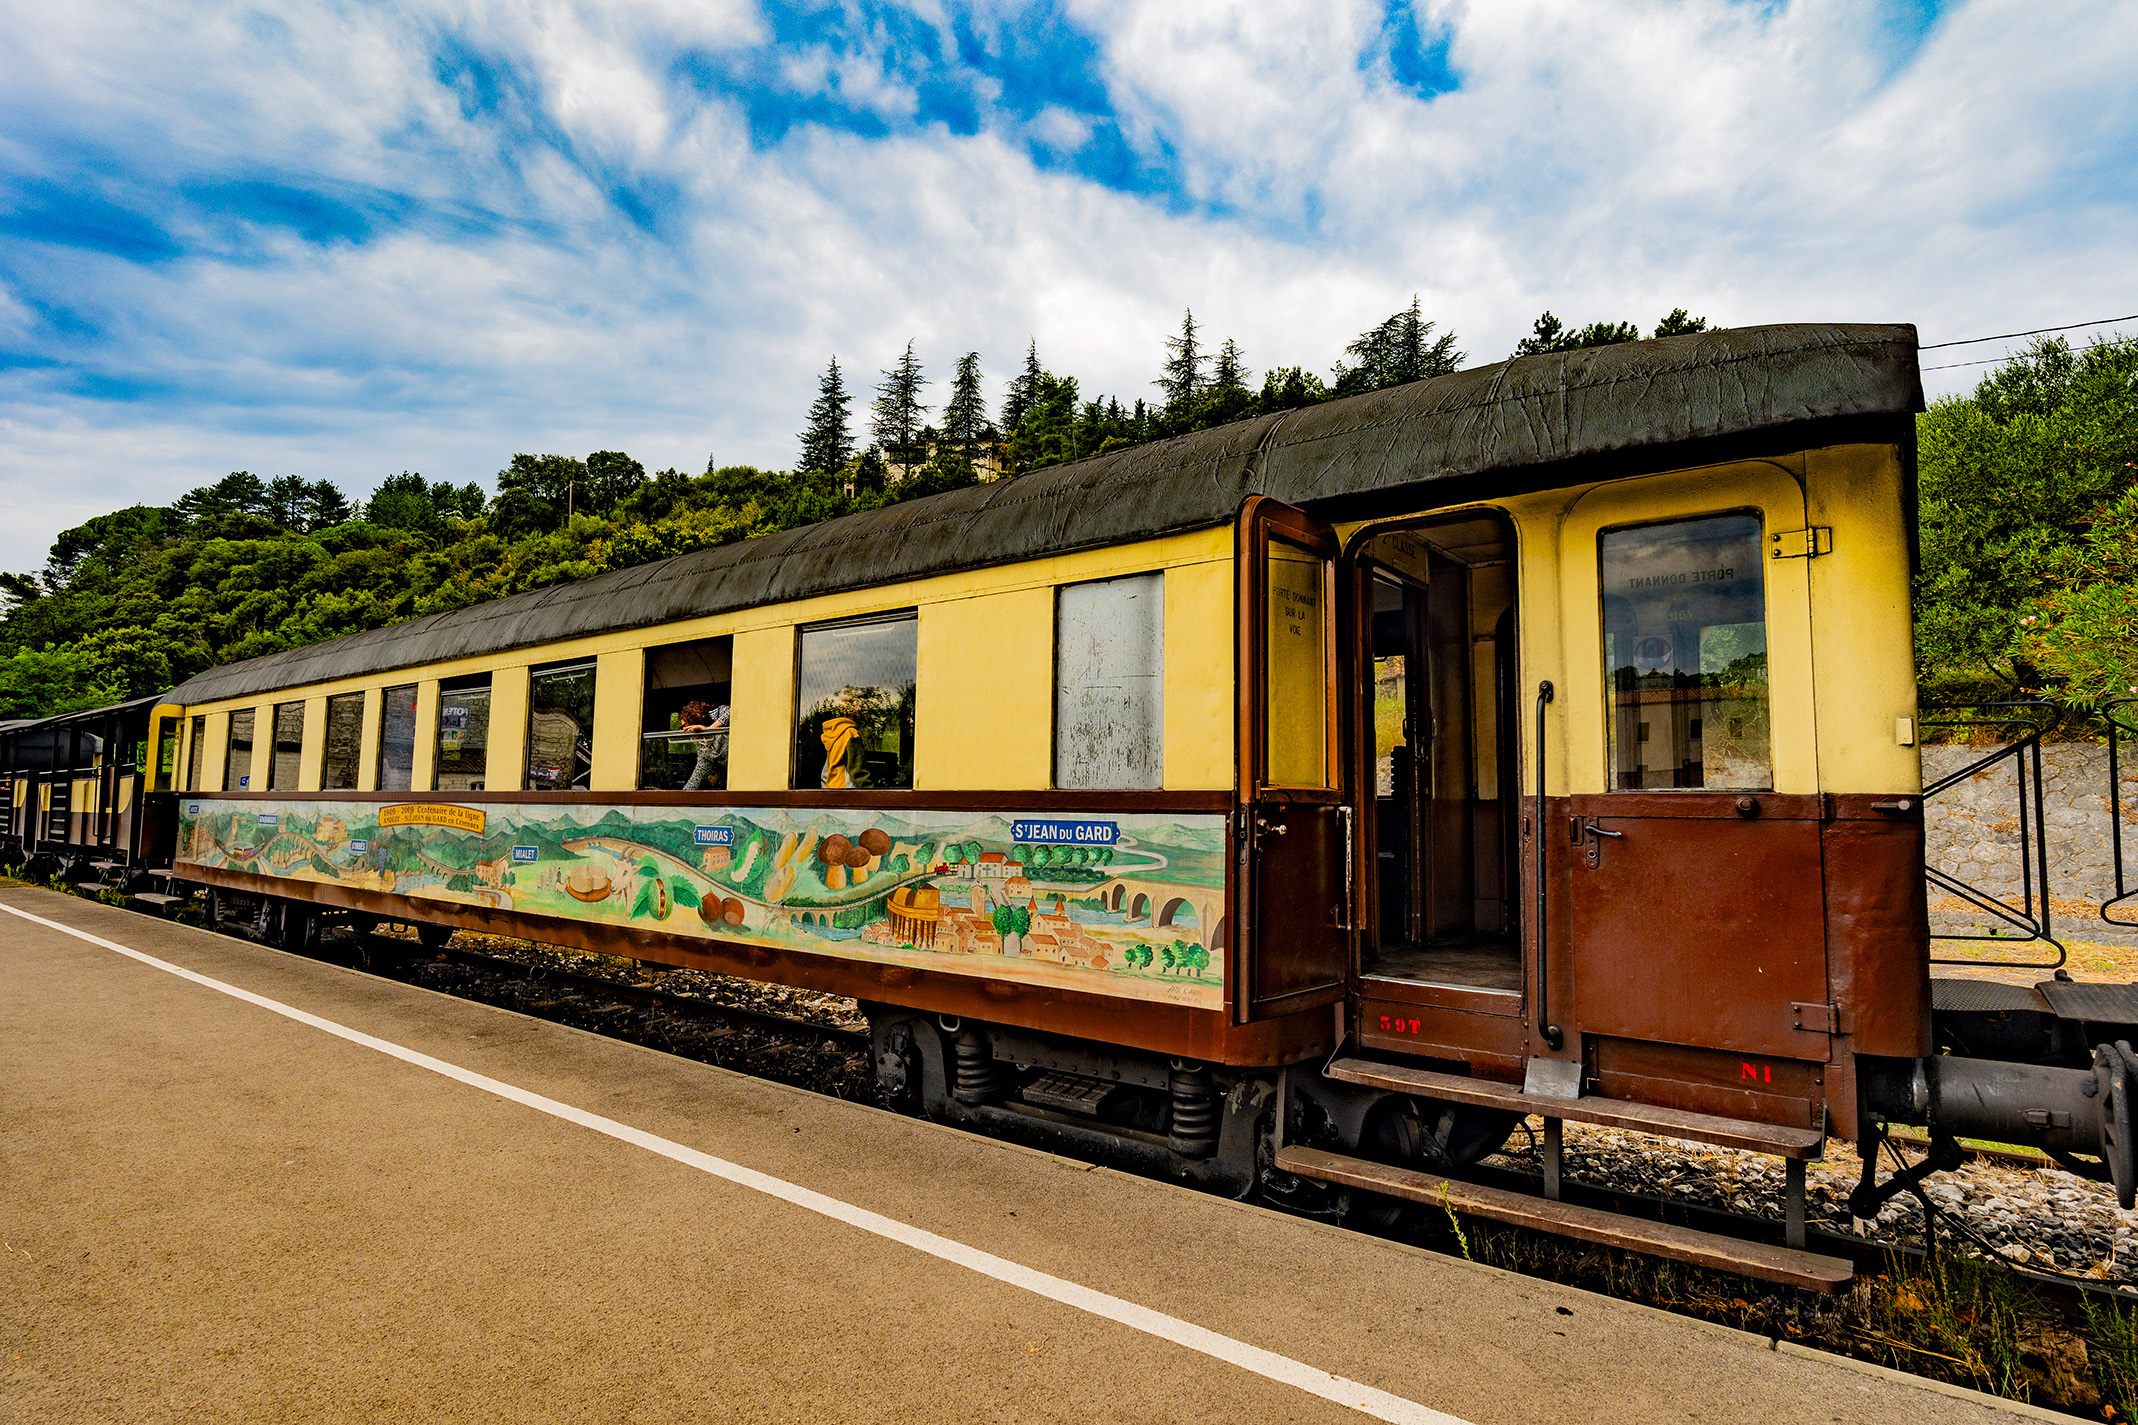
(1293, 832)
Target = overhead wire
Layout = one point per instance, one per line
(2038, 331)
(2007, 336)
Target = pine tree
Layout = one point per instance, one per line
(828, 443)
(1680, 323)
(965, 418)
(1024, 390)
(1231, 372)
(1551, 334)
(897, 410)
(1183, 376)
(1399, 350)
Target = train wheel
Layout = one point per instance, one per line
(433, 937)
(299, 929)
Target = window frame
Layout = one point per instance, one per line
(1561, 552)
(466, 683)
(584, 780)
(230, 747)
(1759, 519)
(415, 734)
(1055, 689)
(326, 740)
(274, 748)
(907, 614)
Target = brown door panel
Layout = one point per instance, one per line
(1696, 929)
(1299, 896)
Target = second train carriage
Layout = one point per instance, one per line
(1303, 799)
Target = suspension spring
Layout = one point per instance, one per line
(978, 1080)
(1195, 1111)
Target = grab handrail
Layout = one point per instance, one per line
(1553, 1035)
(2123, 891)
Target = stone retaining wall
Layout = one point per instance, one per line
(1971, 831)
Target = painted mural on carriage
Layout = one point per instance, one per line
(1131, 905)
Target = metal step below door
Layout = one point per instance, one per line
(1786, 1266)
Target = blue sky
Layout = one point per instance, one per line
(347, 241)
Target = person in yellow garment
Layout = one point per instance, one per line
(842, 753)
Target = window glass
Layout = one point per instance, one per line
(289, 747)
(560, 726)
(463, 734)
(1391, 690)
(683, 744)
(1685, 654)
(237, 755)
(345, 742)
(167, 755)
(397, 739)
(1109, 684)
(854, 690)
(196, 751)
(1295, 669)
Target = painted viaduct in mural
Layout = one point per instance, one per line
(1131, 905)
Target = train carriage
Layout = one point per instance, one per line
(75, 794)
(1291, 806)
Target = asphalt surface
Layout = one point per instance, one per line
(211, 1211)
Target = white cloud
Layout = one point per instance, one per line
(574, 242)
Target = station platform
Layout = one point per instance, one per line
(241, 1185)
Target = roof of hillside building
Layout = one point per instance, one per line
(1494, 429)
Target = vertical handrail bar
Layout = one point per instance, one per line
(1553, 1035)
(2122, 891)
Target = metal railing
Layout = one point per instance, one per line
(2119, 714)
(2020, 726)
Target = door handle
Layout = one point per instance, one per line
(1593, 853)
(1595, 830)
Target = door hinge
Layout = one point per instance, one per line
(1818, 1018)
(1802, 543)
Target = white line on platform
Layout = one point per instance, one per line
(1378, 1404)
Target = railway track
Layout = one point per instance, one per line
(855, 1040)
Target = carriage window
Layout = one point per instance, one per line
(397, 739)
(683, 743)
(1685, 654)
(166, 754)
(1109, 684)
(237, 752)
(196, 751)
(560, 726)
(854, 687)
(1295, 669)
(345, 742)
(289, 747)
(463, 734)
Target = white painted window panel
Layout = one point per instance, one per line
(1109, 684)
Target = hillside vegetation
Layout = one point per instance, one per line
(2028, 517)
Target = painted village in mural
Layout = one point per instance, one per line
(1131, 905)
